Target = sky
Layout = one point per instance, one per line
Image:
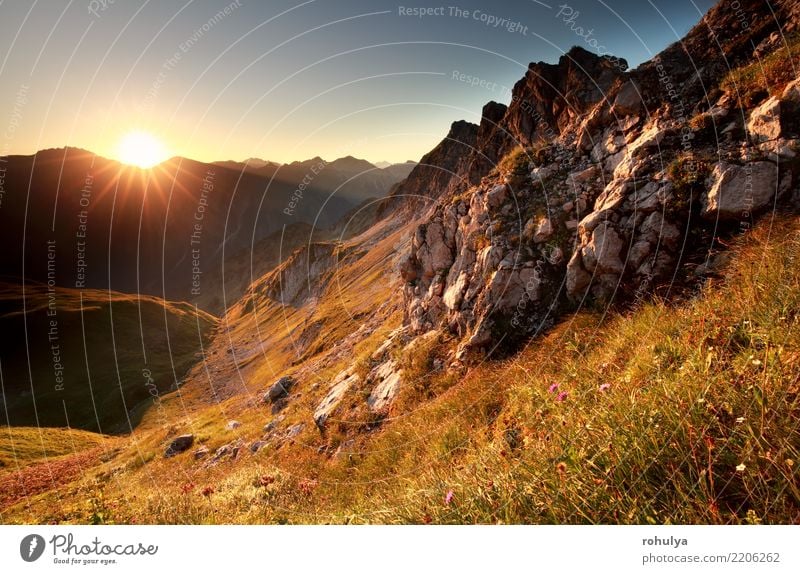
(288, 80)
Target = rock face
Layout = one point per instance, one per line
(299, 279)
(437, 170)
(179, 444)
(719, 52)
(388, 379)
(587, 185)
(552, 96)
(339, 387)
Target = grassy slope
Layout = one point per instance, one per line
(24, 445)
(38, 460)
(121, 337)
(257, 346)
(683, 413)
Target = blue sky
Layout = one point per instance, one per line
(288, 80)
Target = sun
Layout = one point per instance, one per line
(141, 149)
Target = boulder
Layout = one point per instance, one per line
(603, 250)
(179, 444)
(455, 293)
(628, 101)
(765, 121)
(280, 389)
(738, 191)
(497, 196)
(577, 277)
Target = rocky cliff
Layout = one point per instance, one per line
(597, 183)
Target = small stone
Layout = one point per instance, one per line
(258, 445)
(584, 175)
(273, 424)
(278, 406)
(294, 430)
(543, 232)
(345, 449)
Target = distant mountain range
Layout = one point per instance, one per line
(80, 220)
(353, 178)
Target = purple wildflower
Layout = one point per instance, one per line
(448, 498)
(562, 396)
(553, 388)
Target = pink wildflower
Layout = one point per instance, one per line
(448, 498)
(604, 387)
(553, 388)
(562, 396)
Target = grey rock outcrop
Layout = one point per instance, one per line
(738, 191)
(336, 393)
(600, 193)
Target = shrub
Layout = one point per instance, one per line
(688, 173)
(516, 162)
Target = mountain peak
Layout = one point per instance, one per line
(351, 164)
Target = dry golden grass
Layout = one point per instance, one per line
(672, 413)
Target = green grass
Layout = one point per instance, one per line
(516, 161)
(114, 351)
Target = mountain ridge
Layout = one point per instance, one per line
(192, 213)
